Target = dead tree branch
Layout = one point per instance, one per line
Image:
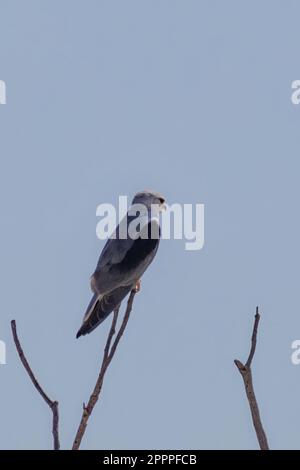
(246, 373)
(52, 404)
(108, 355)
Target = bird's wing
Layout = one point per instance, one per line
(122, 262)
(114, 252)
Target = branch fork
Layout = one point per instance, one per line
(246, 373)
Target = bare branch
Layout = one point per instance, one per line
(245, 371)
(108, 355)
(253, 338)
(55, 426)
(52, 404)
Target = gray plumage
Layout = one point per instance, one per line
(121, 265)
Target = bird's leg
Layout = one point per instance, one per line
(137, 287)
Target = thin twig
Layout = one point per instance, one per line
(108, 355)
(111, 333)
(253, 338)
(246, 373)
(52, 404)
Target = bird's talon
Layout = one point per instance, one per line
(137, 287)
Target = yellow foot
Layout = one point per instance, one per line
(137, 287)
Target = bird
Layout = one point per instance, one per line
(124, 260)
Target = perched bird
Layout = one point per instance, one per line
(124, 260)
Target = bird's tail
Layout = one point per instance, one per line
(100, 307)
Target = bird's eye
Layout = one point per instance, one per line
(161, 200)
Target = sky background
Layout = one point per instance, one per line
(190, 98)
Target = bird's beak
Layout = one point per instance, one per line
(163, 207)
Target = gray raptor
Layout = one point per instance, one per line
(122, 262)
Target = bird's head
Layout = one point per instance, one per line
(150, 198)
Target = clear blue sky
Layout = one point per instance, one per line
(191, 98)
